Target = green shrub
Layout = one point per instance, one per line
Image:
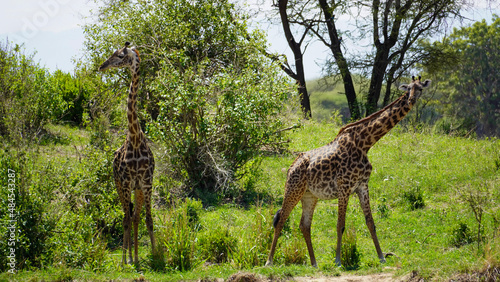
(30, 96)
(24, 106)
(461, 235)
(65, 212)
(91, 192)
(210, 98)
(178, 236)
(193, 209)
(415, 198)
(78, 244)
(24, 207)
(350, 255)
(72, 97)
(254, 241)
(215, 245)
(211, 131)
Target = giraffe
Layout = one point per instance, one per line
(133, 165)
(339, 169)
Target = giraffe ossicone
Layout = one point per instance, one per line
(133, 165)
(341, 168)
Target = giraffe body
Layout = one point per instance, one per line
(133, 165)
(339, 169)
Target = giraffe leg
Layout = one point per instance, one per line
(139, 201)
(149, 219)
(127, 220)
(343, 201)
(295, 187)
(124, 194)
(308, 204)
(279, 221)
(364, 200)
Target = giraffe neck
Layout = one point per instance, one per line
(135, 134)
(369, 130)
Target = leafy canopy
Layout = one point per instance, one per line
(207, 94)
(472, 91)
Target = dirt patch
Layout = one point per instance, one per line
(380, 277)
(243, 277)
(490, 274)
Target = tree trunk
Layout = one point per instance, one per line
(299, 75)
(388, 85)
(305, 104)
(350, 92)
(377, 79)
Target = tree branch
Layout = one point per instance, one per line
(375, 11)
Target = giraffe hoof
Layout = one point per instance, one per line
(269, 263)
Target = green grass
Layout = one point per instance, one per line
(442, 167)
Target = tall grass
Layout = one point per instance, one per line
(255, 238)
(350, 256)
(178, 236)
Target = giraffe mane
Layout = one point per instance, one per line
(372, 116)
(137, 52)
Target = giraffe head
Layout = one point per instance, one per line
(124, 57)
(415, 88)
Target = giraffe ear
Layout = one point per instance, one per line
(426, 83)
(404, 87)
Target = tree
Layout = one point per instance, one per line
(473, 95)
(411, 20)
(395, 26)
(300, 14)
(211, 99)
(298, 75)
(25, 105)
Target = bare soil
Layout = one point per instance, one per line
(379, 277)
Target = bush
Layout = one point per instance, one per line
(92, 193)
(350, 255)
(24, 206)
(65, 212)
(254, 241)
(208, 95)
(72, 97)
(461, 235)
(216, 245)
(24, 106)
(212, 131)
(178, 236)
(415, 198)
(30, 96)
(79, 244)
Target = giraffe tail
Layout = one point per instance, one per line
(276, 218)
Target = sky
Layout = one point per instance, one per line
(54, 30)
